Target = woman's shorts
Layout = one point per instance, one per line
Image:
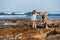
(48, 22)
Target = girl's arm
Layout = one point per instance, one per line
(38, 15)
(31, 18)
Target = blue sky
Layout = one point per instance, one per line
(29, 5)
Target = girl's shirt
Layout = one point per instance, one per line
(34, 17)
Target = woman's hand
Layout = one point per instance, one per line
(47, 18)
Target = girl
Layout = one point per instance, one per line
(33, 19)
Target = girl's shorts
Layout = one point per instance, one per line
(33, 20)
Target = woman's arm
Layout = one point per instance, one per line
(46, 17)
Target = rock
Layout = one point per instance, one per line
(53, 37)
(58, 30)
(24, 32)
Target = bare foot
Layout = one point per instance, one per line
(47, 27)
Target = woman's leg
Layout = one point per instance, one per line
(47, 26)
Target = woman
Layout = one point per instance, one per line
(45, 18)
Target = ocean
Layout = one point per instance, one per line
(27, 16)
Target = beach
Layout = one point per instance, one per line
(21, 29)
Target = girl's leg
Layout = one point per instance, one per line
(35, 25)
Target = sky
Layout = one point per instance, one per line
(29, 5)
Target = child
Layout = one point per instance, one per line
(33, 19)
(45, 18)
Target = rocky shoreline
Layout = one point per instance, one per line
(24, 31)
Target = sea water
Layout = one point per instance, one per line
(16, 16)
